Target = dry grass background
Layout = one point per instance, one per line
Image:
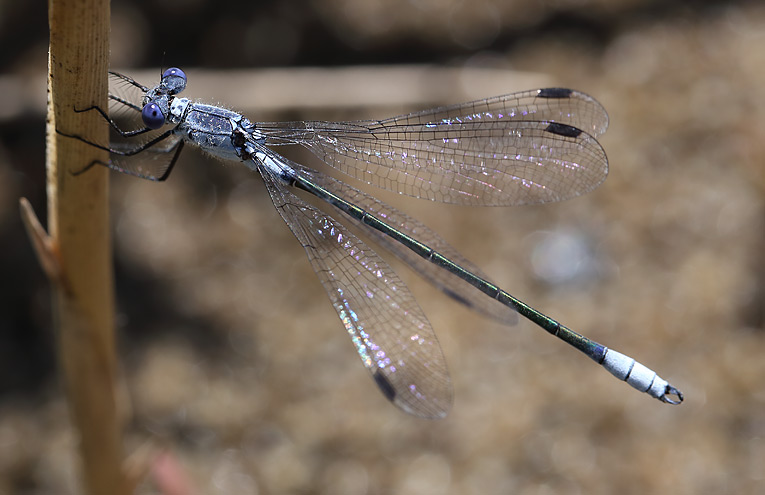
(234, 359)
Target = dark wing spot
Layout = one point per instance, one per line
(554, 93)
(563, 130)
(385, 386)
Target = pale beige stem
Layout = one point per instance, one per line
(79, 245)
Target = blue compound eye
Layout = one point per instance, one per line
(152, 116)
(174, 80)
(174, 71)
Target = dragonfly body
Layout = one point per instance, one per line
(529, 147)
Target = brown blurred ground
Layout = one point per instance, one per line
(234, 358)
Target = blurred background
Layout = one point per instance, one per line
(234, 359)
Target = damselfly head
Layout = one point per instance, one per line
(156, 108)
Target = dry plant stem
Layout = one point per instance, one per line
(79, 236)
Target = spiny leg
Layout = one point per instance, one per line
(129, 80)
(177, 147)
(112, 123)
(132, 152)
(113, 166)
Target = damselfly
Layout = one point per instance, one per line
(530, 147)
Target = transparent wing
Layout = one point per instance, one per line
(389, 330)
(444, 280)
(522, 148)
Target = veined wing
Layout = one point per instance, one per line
(391, 333)
(444, 280)
(523, 148)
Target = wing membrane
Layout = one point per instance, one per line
(444, 280)
(522, 148)
(391, 334)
